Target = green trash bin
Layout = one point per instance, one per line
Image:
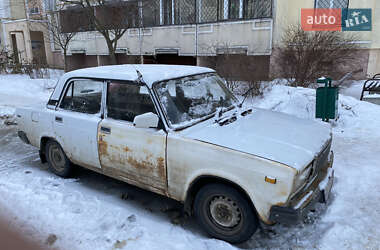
(327, 100)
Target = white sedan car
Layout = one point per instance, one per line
(179, 132)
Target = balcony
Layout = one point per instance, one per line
(183, 27)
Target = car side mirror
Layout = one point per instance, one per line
(147, 120)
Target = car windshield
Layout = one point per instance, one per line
(191, 99)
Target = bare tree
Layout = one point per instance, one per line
(110, 18)
(55, 34)
(305, 56)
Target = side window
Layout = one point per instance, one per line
(127, 100)
(84, 96)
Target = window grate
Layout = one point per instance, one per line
(151, 13)
(336, 4)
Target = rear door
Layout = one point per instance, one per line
(77, 119)
(136, 155)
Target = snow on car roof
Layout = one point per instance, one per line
(151, 73)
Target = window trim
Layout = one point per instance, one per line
(67, 87)
(31, 12)
(107, 82)
(152, 97)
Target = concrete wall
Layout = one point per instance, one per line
(239, 67)
(184, 40)
(5, 11)
(79, 61)
(17, 8)
(23, 29)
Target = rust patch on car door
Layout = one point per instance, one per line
(137, 154)
(102, 145)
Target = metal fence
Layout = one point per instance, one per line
(174, 12)
(333, 4)
(178, 12)
(336, 4)
(225, 10)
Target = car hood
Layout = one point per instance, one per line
(271, 135)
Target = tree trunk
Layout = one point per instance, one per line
(111, 51)
(113, 57)
(65, 60)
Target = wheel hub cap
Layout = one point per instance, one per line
(225, 212)
(57, 158)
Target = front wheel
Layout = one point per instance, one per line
(58, 162)
(225, 213)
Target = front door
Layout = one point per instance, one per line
(77, 119)
(134, 154)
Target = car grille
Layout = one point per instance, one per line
(316, 174)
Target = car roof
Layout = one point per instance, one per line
(151, 73)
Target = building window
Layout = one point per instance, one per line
(184, 11)
(257, 9)
(167, 12)
(151, 13)
(50, 5)
(34, 10)
(234, 9)
(327, 4)
(208, 11)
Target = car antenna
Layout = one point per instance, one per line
(139, 76)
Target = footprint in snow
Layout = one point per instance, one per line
(51, 239)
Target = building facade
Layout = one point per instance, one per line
(205, 32)
(24, 32)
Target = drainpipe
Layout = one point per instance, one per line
(26, 7)
(140, 42)
(196, 40)
(4, 34)
(140, 31)
(241, 9)
(226, 7)
(196, 28)
(161, 12)
(28, 31)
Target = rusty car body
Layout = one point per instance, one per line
(277, 164)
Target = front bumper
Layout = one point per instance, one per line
(318, 191)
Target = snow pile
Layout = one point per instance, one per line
(351, 220)
(20, 90)
(300, 102)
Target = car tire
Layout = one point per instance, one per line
(57, 160)
(225, 213)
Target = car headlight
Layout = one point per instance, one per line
(303, 176)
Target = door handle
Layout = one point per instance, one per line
(105, 130)
(59, 119)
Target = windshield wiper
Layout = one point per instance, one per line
(245, 96)
(219, 111)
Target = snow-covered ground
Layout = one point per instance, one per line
(18, 90)
(96, 212)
